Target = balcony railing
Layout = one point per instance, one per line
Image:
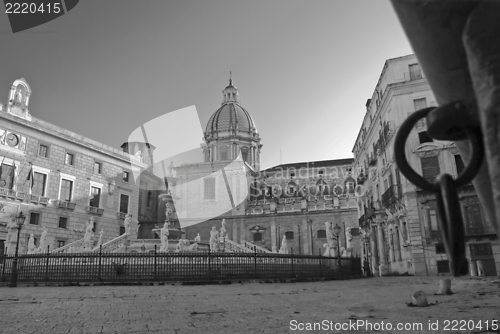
(391, 195)
(121, 215)
(66, 205)
(94, 210)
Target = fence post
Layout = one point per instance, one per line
(100, 263)
(47, 265)
(155, 273)
(293, 274)
(209, 263)
(255, 260)
(4, 263)
(320, 266)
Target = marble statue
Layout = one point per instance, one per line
(42, 247)
(168, 212)
(18, 99)
(197, 238)
(87, 238)
(349, 238)
(11, 237)
(31, 244)
(331, 241)
(222, 232)
(274, 249)
(126, 223)
(101, 236)
(184, 246)
(284, 246)
(164, 238)
(170, 169)
(214, 245)
(111, 187)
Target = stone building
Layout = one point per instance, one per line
(60, 179)
(261, 207)
(401, 219)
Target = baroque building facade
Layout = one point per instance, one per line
(262, 208)
(60, 179)
(400, 219)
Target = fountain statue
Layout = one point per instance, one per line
(31, 244)
(101, 236)
(222, 232)
(284, 246)
(197, 238)
(12, 232)
(42, 240)
(126, 223)
(164, 238)
(214, 245)
(349, 237)
(87, 238)
(331, 241)
(274, 249)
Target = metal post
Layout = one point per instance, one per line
(255, 260)
(47, 265)
(209, 263)
(292, 264)
(154, 273)
(100, 262)
(338, 255)
(13, 276)
(299, 241)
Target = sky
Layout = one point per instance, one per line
(304, 69)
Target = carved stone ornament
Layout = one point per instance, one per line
(427, 150)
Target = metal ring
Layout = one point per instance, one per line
(464, 178)
(400, 151)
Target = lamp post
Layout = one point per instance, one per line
(337, 230)
(366, 265)
(13, 277)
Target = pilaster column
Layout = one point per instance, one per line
(381, 245)
(373, 242)
(397, 245)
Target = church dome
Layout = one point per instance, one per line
(231, 116)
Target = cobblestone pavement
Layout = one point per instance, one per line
(250, 307)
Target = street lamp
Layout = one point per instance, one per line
(366, 265)
(19, 224)
(336, 230)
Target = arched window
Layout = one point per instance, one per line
(244, 154)
(223, 153)
(257, 237)
(148, 202)
(321, 234)
(289, 235)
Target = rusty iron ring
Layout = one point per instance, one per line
(467, 174)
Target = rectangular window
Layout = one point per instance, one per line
(43, 151)
(97, 167)
(223, 155)
(440, 248)
(124, 203)
(39, 181)
(125, 176)
(209, 188)
(459, 163)
(69, 159)
(433, 220)
(473, 220)
(61, 243)
(66, 190)
(95, 194)
(480, 249)
(34, 218)
(63, 222)
(430, 168)
(419, 104)
(7, 173)
(415, 72)
(423, 137)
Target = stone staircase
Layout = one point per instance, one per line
(65, 249)
(114, 245)
(255, 248)
(234, 247)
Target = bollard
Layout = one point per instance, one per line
(473, 268)
(419, 299)
(480, 268)
(444, 287)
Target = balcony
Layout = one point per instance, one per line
(94, 210)
(480, 231)
(121, 215)
(65, 205)
(391, 195)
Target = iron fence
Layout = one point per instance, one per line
(174, 267)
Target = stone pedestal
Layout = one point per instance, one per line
(473, 268)
(480, 268)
